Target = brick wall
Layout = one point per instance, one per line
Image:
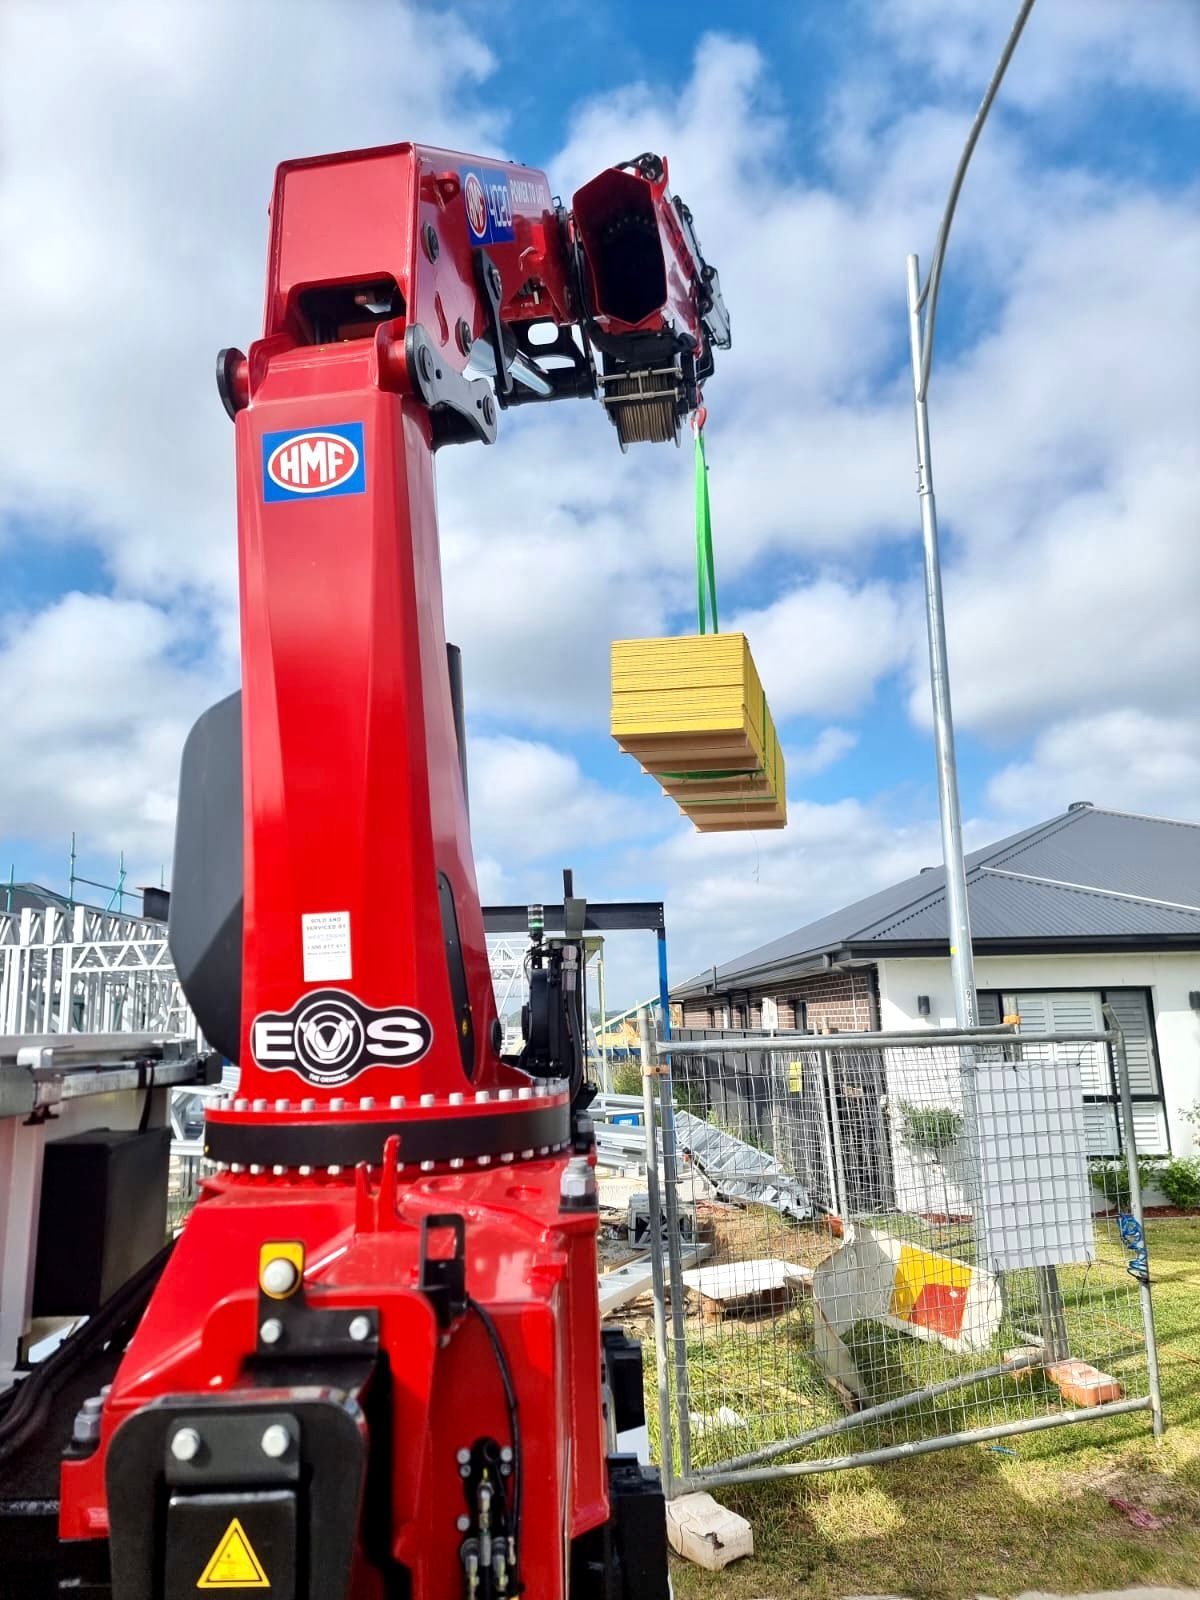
(845, 1001)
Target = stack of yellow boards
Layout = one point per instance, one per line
(692, 712)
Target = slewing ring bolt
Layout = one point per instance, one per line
(86, 1428)
(577, 1191)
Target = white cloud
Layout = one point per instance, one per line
(828, 748)
(1123, 758)
(822, 646)
(139, 145)
(535, 600)
(729, 893)
(138, 150)
(493, 882)
(1068, 477)
(97, 702)
(530, 801)
(1067, 48)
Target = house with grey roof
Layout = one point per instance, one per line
(1093, 907)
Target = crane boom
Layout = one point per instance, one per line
(373, 1364)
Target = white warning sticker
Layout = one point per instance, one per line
(326, 936)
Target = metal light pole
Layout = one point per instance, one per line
(920, 333)
(958, 913)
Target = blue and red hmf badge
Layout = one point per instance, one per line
(308, 463)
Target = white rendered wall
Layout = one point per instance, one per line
(1168, 977)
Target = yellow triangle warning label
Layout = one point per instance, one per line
(233, 1564)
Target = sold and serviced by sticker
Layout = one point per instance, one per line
(490, 194)
(326, 938)
(329, 1037)
(314, 463)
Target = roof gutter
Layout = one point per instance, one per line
(832, 960)
(871, 951)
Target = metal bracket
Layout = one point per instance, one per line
(298, 1329)
(460, 409)
(443, 1279)
(491, 288)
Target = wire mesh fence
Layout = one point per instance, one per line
(186, 1169)
(906, 1250)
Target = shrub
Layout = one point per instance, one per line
(1179, 1180)
(627, 1077)
(1111, 1177)
(930, 1127)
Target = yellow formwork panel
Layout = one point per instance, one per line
(724, 819)
(682, 663)
(747, 800)
(692, 712)
(739, 822)
(673, 687)
(728, 818)
(699, 786)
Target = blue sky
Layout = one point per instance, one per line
(814, 145)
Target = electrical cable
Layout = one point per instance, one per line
(514, 1425)
(26, 1407)
(580, 1049)
(146, 1069)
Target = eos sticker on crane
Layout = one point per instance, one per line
(308, 463)
(329, 1037)
(233, 1564)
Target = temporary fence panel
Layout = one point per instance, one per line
(905, 1252)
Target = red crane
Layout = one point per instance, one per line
(373, 1363)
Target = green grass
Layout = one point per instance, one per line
(1033, 1513)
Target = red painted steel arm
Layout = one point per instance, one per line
(374, 1109)
(386, 269)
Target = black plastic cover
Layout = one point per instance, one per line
(623, 1370)
(205, 927)
(626, 1557)
(103, 1215)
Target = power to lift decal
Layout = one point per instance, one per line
(310, 463)
(329, 1037)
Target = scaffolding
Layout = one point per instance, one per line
(83, 970)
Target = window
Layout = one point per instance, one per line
(770, 1013)
(1080, 1010)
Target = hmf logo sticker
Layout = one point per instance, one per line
(489, 205)
(490, 195)
(329, 1037)
(302, 463)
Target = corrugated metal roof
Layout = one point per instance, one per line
(1087, 874)
(1145, 856)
